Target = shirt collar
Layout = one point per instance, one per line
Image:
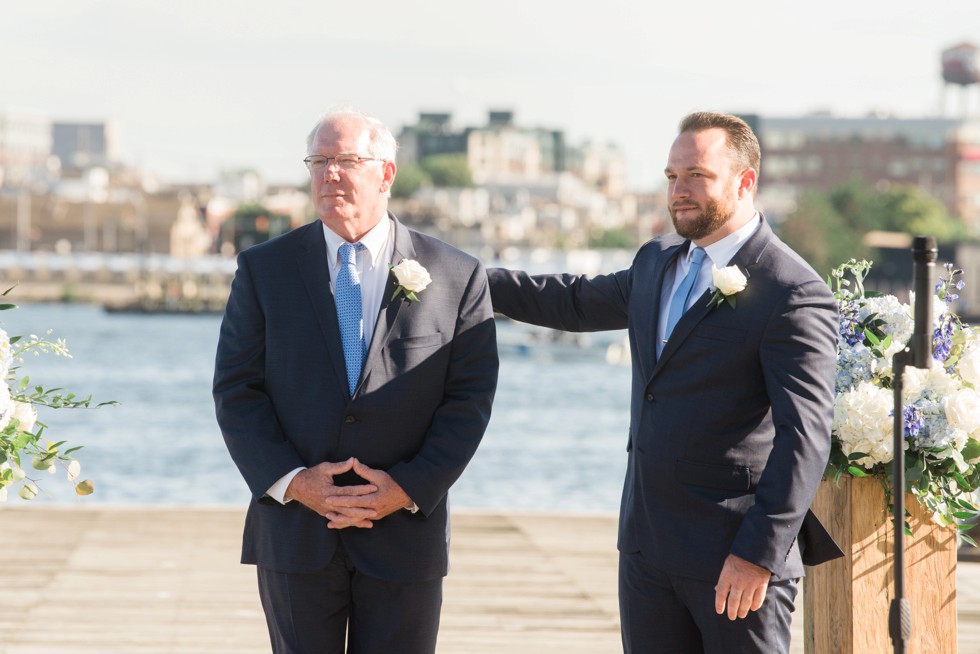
(374, 240)
(722, 251)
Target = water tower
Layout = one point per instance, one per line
(961, 68)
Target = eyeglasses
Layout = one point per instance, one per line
(318, 163)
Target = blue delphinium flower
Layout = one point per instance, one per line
(942, 339)
(913, 421)
(848, 319)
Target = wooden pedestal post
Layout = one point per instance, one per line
(846, 601)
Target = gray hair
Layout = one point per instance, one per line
(382, 144)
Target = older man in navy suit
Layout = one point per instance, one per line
(355, 371)
(733, 340)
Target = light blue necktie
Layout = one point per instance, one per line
(347, 294)
(678, 303)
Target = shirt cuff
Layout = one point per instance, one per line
(412, 509)
(278, 490)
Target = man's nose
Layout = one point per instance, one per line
(677, 189)
(331, 173)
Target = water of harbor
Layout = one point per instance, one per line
(556, 441)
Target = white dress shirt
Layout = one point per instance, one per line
(372, 269)
(718, 254)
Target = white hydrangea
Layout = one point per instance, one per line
(863, 423)
(6, 405)
(939, 307)
(933, 383)
(897, 316)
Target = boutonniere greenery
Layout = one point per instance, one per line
(412, 278)
(729, 282)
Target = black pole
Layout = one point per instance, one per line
(918, 354)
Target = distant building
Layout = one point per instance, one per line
(80, 146)
(432, 135)
(532, 187)
(502, 152)
(25, 144)
(939, 155)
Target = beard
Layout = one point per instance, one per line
(713, 216)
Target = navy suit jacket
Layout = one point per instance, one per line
(730, 427)
(419, 411)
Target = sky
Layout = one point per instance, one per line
(194, 87)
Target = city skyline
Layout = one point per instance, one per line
(193, 88)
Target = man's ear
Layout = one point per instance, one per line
(746, 182)
(389, 176)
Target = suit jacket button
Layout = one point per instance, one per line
(649, 397)
(349, 419)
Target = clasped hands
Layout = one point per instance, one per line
(348, 506)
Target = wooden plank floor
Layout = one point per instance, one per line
(150, 580)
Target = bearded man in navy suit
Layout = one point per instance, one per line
(354, 376)
(731, 406)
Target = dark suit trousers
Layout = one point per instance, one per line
(317, 613)
(663, 613)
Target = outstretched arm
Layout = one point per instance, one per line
(573, 303)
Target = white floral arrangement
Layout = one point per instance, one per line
(412, 278)
(21, 434)
(941, 404)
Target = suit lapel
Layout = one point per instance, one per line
(664, 261)
(389, 309)
(746, 258)
(698, 311)
(313, 268)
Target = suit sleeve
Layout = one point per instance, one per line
(799, 357)
(244, 410)
(461, 419)
(573, 303)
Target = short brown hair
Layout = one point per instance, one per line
(741, 139)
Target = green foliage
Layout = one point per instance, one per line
(21, 435)
(616, 237)
(409, 179)
(820, 234)
(450, 170)
(828, 227)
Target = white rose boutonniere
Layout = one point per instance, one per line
(728, 282)
(412, 278)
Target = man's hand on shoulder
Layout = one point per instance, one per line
(742, 586)
(315, 488)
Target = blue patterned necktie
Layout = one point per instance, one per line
(347, 294)
(678, 303)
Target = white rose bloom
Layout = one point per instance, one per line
(963, 410)
(25, 413)
(729, 280)
(412, 276)
(863, 423)
(969, 366)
